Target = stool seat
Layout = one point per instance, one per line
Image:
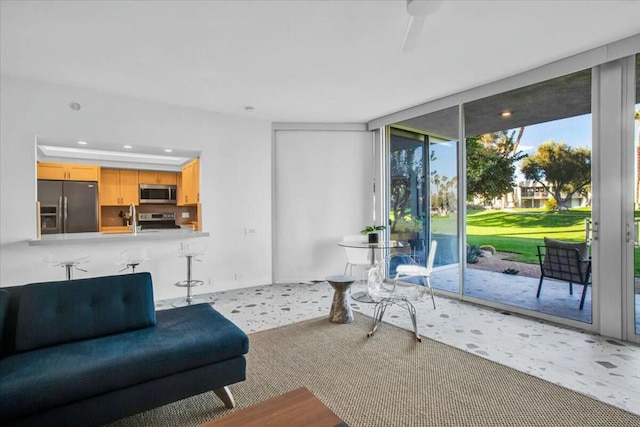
(133, 257)
(67, 259)
(340, 279)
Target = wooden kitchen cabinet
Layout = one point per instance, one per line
(68, 171)
(190, 189)
(119, 187)
(155, 177)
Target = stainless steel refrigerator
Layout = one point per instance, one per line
(68, 206)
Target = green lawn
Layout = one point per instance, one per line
(519, 231)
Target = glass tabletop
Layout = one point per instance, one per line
(366, 245)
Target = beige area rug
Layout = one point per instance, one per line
(391, 380)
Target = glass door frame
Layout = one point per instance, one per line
(612, 121)
(628, 83)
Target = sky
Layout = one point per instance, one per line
(574, 131)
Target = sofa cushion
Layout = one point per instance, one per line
(4, 303)
(58, 312)
(183, 339)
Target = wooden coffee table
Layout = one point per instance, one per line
(295, 408)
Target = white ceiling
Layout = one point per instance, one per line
(297, 60)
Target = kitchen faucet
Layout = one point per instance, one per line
(133, 216)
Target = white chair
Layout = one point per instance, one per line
(133, 257)
(410, 283)
(356, 256)
(190, 250)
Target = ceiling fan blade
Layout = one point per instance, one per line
(412, 33)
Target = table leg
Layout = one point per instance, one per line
(363, 296)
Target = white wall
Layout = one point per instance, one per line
(235, 189)
(323, 191)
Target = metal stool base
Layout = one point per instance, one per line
(188, 301)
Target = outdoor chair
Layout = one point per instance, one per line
(565, 261)
(410, 283)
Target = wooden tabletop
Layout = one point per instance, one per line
(295, 408)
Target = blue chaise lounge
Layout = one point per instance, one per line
(90, 351)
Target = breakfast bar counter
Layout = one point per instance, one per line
(141, 235)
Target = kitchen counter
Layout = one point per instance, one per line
(142, 235)
(116, 229)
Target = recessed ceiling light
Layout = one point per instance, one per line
(506, 113)
(127, 146)
(82, 142)
(168, 150)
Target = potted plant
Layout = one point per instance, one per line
(372, 232)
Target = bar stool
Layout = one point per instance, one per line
(190, 250)
(133, 257)
(69, 260)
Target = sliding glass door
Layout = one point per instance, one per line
(632, 288)
(528, 170)
(557, 159)
(635, 313)
(424, 203)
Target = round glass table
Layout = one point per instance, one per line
(362, 296)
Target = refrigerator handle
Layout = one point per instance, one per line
(65, 214)
(60, 216)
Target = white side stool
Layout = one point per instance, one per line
(133, 257)
(190, 250)
(69, 260)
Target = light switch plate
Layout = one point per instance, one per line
(185, 214)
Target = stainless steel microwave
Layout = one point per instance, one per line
(158, 194)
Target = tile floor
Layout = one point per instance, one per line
(605, 369)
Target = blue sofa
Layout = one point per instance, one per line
(90, 351)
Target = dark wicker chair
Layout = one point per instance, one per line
(566, 264)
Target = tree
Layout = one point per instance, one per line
(560, 169)
(491, 163)
(443, 196)
(405, 170)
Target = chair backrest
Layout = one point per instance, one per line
(382, 276)
(357, 256)
(432, 255)
(414, 269)
(564, 264)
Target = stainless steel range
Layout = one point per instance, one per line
(156, 221)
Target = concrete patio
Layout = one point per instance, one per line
(520, 291)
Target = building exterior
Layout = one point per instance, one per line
(532, 194)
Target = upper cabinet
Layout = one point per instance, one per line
(68, 171)
(119, 187)
(153, 177)
(189, 193)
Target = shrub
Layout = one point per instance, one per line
(473, 207)
(488, 248)
(551, 204)
(473, 251)
(408, 224)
